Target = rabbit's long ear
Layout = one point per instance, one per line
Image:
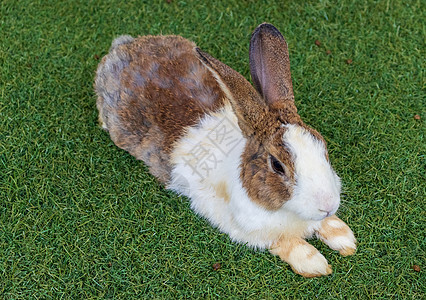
(270, 65)
(249, 107)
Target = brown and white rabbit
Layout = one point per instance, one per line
(242, 155)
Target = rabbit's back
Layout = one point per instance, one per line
(149, 90)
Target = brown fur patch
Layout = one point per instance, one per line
(263, 185)
(222, 191)
(158, 89)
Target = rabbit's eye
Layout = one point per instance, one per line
(277, 166)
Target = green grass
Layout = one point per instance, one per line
(82, 219)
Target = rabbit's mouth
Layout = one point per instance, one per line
(315, 208)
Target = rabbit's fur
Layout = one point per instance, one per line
(242, 155)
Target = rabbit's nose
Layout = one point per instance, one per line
(328, 207)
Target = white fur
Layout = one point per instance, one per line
(241, 218)
(317, 192)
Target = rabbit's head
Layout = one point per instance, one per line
(285, 163)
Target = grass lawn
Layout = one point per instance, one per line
(82, 219)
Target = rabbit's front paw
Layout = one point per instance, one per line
(337, 235)
(303, 258)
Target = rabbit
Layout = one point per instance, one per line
(241, 154)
